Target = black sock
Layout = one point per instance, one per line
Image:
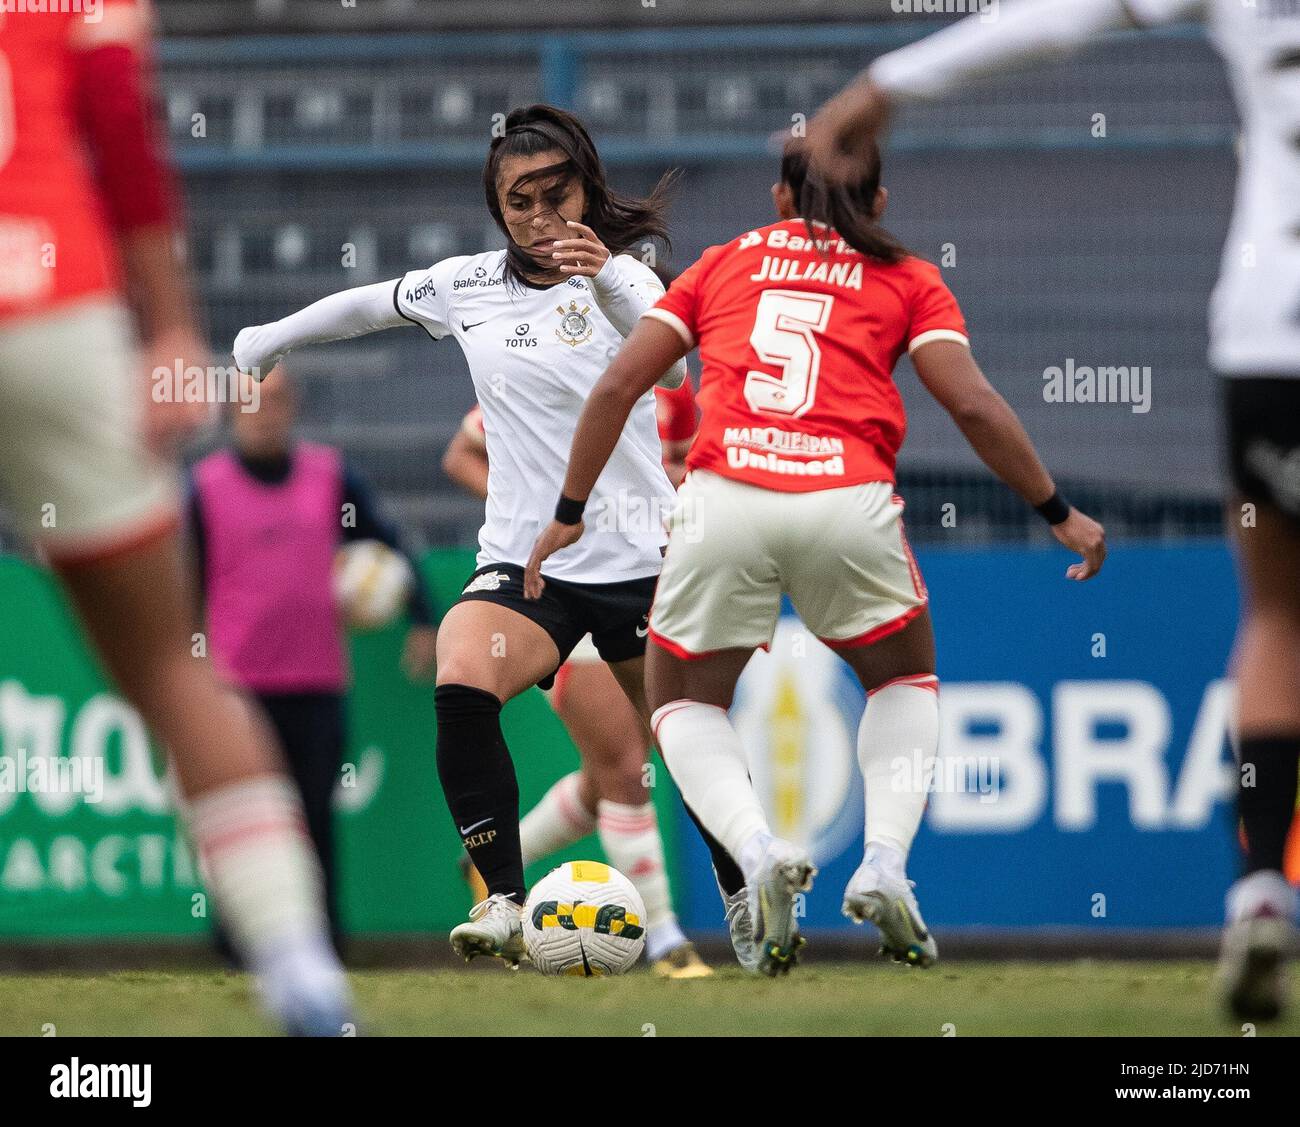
(478, 781)
(1266, 797)
(729, 874)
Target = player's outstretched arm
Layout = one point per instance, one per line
(650, 351)
(341, 316)
(1026, 32)
(950, 374)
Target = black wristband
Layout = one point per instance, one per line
(569, 511)
(1055, 509)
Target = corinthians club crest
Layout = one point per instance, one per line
(574, 328)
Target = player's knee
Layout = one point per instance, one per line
(619, 767)
(459, 669)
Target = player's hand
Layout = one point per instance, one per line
(420, 653)
(1084, 535)
(838, 135)
(554, 537)
(248, 354)
(168, 419)
(583, 255)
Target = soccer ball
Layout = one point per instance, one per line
(371, 583)
(584, 919)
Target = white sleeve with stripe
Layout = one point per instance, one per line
(341, 316)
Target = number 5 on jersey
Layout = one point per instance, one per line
(785, 336)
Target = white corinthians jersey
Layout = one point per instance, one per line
(1255, 312)
(534, 355)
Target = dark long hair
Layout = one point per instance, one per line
(846, 208)
(620, 221)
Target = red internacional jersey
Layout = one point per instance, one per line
(55, 230)
(798, 348)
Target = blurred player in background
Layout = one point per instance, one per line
(791, 491)
(87, 267)
(1254, 347)
(607, 794)
(537, 322)
(267, 517)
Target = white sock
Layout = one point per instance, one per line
(897, 742)
(258, 864)
(559, 819)
(630, 837)
(750, 855)
(707, 763)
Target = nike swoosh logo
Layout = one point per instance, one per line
(906, 912)
(642, 631)
(466, 328)
(467, 829)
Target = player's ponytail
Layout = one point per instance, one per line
(623, 223)
(848, 209)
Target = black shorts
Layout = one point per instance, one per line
(1263, 424)
(616, 615)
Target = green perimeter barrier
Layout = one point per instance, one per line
(122, 867)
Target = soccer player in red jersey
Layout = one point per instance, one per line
(1255, 353)
(790, 490)
(86, 219)
(607, 794)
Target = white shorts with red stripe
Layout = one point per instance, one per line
(734, 549)
(74, 471)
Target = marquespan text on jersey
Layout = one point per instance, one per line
(782, 441)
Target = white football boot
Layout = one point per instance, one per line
(879, 892)
(784, 871)
(1257, 941)
(741, 927)
(495, 928)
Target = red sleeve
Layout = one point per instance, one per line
(935, 312)
(114, 90)
(680, 306)
(676, 413)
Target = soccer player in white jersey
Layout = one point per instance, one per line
(791, 491)
(607, 794)
(537, 322)
(1254, 347)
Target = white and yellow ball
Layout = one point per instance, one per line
(584, 919)
(371, 583)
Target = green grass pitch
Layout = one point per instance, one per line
(1079, 998)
